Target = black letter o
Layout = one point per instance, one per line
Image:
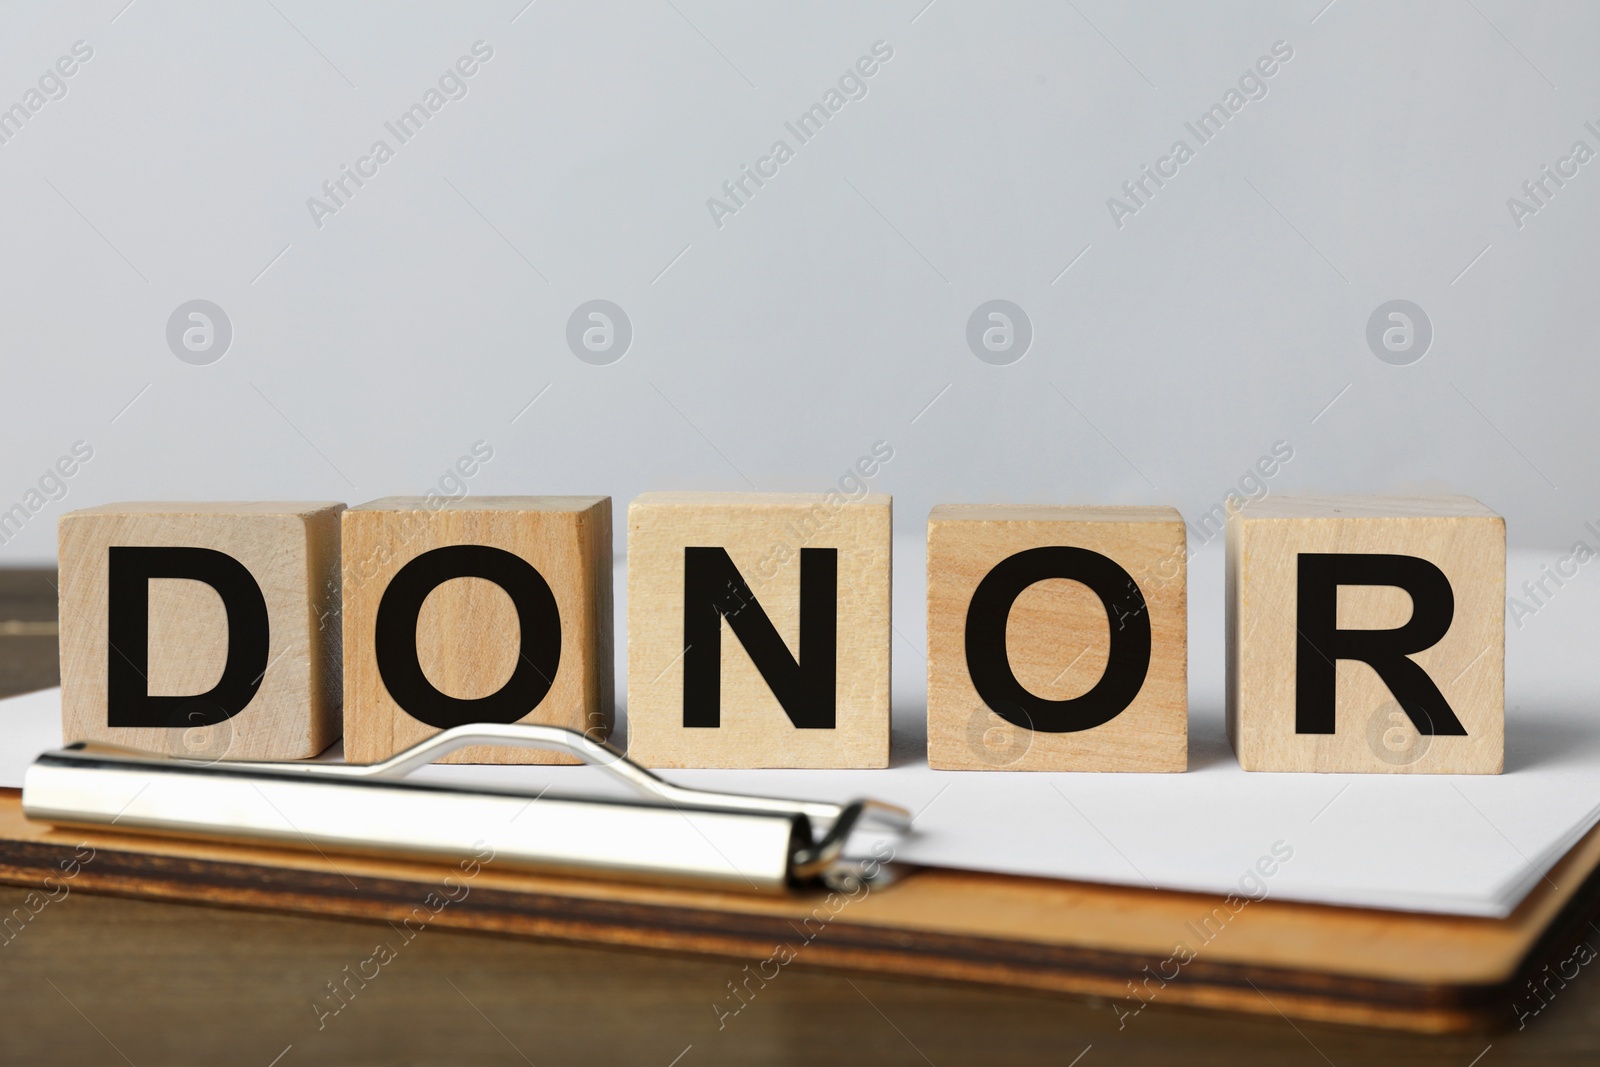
(1126, 665)
(395, 639)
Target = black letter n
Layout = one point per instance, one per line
(804, 683)
(1320, 643)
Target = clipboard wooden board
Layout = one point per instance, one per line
(1394, 970)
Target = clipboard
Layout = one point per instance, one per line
(673, 834)
(1394, 970)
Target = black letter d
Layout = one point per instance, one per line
(128, 699)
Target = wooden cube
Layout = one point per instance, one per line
(1057, 638)
(1367, 634)
(482, 610)
(758, 630)
(202, 630)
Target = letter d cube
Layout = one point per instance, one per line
(209, 630)
(1367, 634)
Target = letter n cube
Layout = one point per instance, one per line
(758, 630)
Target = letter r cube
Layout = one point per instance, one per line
(1366, 634)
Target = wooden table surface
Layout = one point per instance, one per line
(102, 980)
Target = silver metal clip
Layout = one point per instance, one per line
(677, 834)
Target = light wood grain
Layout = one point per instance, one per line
(292, 551)
(1058, 637)
(1462, 538)
(763, 534)
(468, 633)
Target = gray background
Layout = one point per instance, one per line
(831, 312)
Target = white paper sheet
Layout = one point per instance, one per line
(1468, 845)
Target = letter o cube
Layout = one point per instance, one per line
(482, 610)
(1057, 638)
